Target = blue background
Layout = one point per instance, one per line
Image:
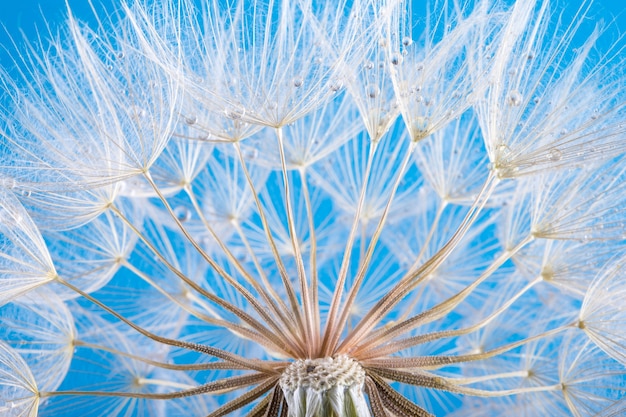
(30, 16)
(26, 16)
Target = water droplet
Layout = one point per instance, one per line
(243, 257)
(251, 153)
(396, 59)
(503, 150)
(235, 113)
(110, 67)
(368, 65)
(9, 183)
(191, 120)
(554, 155)
(407, 41)
(297, 82)
(25, 193)
(536, 100)
(419, 66)
(514, 98)
(204, 136)
(182, 213)
(336, 85)
(420, 126)
(120, 55)
(372, 90)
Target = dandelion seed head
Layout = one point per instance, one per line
(301, 208)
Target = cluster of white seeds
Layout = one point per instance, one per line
(323, 374)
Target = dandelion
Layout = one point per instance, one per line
(304, 209)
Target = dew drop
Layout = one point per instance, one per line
(368, 65)
(235, 113)
(407, 41)
(191, 120)
(420, 125)
(110, 67)
(205, 241)
(120, 55)
(9, 183)
(297, 82)
(251, 153)
(514, 98)
(372, 90)
(203, 136)
(554, 155)
(396, 59)
(336, 85)
(25, 193)
(182, 213)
